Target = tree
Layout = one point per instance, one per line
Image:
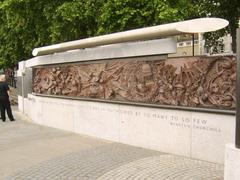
(74, 20)
(130, 14)
(26, 24)
(23, 27)
(227, 9)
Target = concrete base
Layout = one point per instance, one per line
(192, 134)
(232, 163)
(23, 105)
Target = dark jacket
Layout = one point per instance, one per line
(4, 91)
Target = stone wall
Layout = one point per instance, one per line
(183, 106)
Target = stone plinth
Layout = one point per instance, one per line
(232, 163)
(188, 133)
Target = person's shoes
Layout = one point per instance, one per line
(12, 120)
(3, 120)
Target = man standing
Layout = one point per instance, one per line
(4, 99)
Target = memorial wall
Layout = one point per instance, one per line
(204, 82)
(133, 94)
(119, 88)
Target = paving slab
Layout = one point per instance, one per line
(31, 151)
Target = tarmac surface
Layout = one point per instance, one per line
(30, 151)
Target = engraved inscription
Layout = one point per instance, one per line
(194, 123)
(177, 121)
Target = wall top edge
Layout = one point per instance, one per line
(121, 50)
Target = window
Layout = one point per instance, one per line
(180, 44)
(189, 43)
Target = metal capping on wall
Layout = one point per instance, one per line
(123, 50)
(198, 25)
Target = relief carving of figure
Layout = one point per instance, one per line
(193, 82)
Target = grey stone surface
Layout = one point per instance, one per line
(26, 82)
(30, 151)
(121, 50)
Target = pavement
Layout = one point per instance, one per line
(30, 151)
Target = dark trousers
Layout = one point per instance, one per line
(5, 106)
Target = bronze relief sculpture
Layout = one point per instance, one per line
(187, 81)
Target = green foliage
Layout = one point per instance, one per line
(214, 42)
(130, 14)
(19, 30)
(227, 9)
(74, 20)
(26, 24)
